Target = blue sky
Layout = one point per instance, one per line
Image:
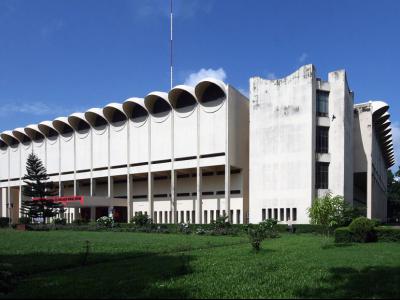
(57, 57)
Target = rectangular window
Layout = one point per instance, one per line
(275, 213)
(322, 175)
(182, 216)
(322, 142)
(287, 214)
(155, 217)
(218, 213)
(282, 215)
(263, 214)
(205, 217)
(269, 213)
(322, 103)
(294, 214)
(231, 216)
(193, 217)
(211, 215)
(160, 217)
(166, 217)
(238, 216)
(188, 216)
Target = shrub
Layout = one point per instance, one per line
(269, 227)
(362, 230)
(311, 228)
(343, 235)
(105, 222)
(60, 221)
(184, 228)
(141, 220)
(24, 220)
(388, 234)
(4, 222)
(258, 233)
(329, 212)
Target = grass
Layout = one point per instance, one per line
(134, 265)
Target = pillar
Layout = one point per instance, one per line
(173, 197)
(150, 197)
(228, 192)
(110, 187)
(110, 211)
(92, 187)
(129, 194)
(199, 182)
(76, 188)
(93, 214)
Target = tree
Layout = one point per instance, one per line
(330, 212)
(37, 189)
(393, 195)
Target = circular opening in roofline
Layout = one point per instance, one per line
(211, 94)
(182, 100)
(135, 111)
(78, 123)
(114, 115)
(96, 120)
(158, 106)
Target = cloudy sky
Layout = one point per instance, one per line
(61, 56)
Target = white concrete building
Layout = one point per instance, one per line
(183, 156)
(180, 156)
(305, 141)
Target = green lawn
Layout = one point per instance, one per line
(134, 265)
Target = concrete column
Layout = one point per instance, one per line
(93, 214)
(76, 188)
(110, 211)
(61, 189)
(369, 189)
(110, 187)
(129, 194)
(228, 192)
(92, 187)
(199, 198)
(173, 195)
(150, 197)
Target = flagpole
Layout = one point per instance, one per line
(171, 44)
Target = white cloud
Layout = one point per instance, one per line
(396, 143)
(195, 77)
(33, 108)
(303, 57)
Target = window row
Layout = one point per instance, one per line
(279, 214)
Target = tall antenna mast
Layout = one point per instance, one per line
(171, 44)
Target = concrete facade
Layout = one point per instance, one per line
(192, 154)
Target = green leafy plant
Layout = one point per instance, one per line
(263, 230)
(105, 222)
(60, 221)
(330, 212)
(141, 220)
(363, 230)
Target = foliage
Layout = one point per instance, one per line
(329, 212)
(38, 186)
(24, 220)
(362, 230)
(60, 221)
(105, 222)
(4, 222)
(343, 235)
(184, 228)
(258, 233)
(80, 222)
(388, 234)
(141, 220)
(393, 194)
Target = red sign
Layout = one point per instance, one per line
(63, 199)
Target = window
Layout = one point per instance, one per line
(322, 175)
(205, 217)
(275, 213)
(155, 217)
(287, 214)
(322, 137)
(218, 213)
(182, 216)
(322, 103)
(160, 217)
(193, 217)
(166, 217)
(269, 213)
(263, 214)
(238, 216)
(211, 215)
(282, 215)
(188, 216)
(231, 216)
(294, 214)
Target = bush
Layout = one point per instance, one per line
(388, 234)
(141, 220)
(24, 220)
(362, 230)
(311, 228)
(4, 222)
(105, 222)
(80, 222)
(59, 221)
(343, 235)
(258, 233)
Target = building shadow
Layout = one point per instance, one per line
(100, 275)
(369, 282)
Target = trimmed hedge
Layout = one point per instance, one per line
(388, 234)
(383, 234)
(309, 228)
